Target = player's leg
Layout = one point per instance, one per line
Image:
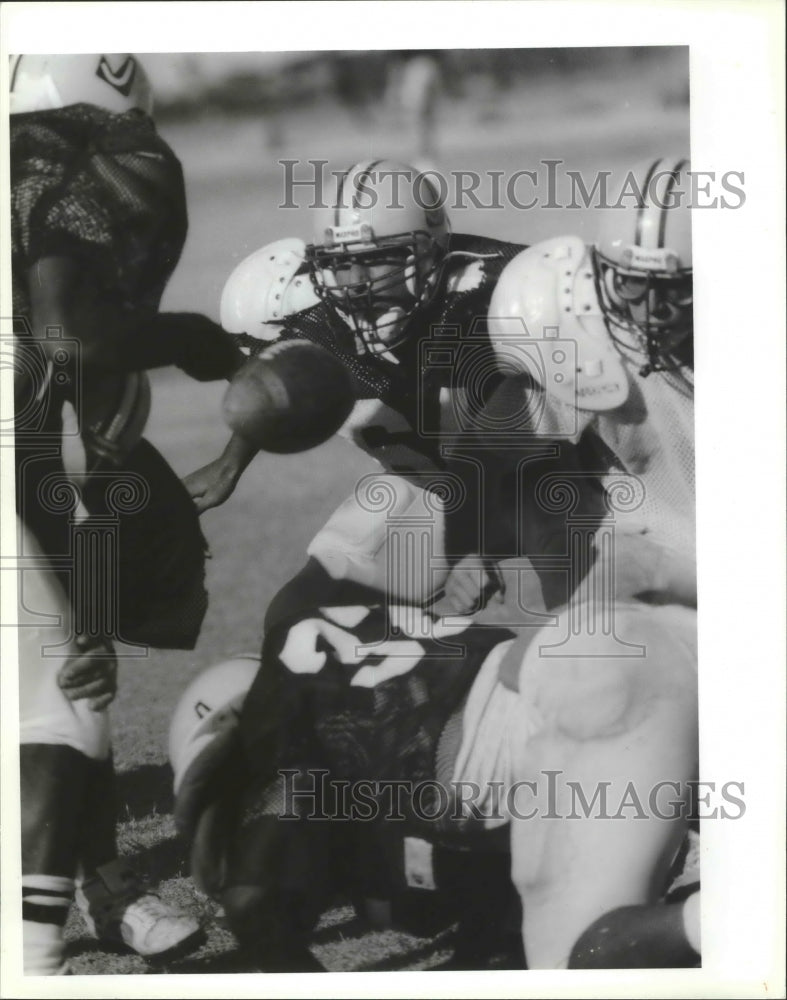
(62, 743)
(68, 797)
(250, 850)
(280, 876)
(159, 574)
(157, 581)
(391, 538)
(587, 833)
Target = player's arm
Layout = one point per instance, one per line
(64, 295)
(475, 577)
(471, 584)
(90, 673)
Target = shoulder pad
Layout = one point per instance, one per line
(265, 288)
(545, 320)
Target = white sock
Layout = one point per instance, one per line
(45, 903)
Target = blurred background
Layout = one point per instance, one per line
(232, 116)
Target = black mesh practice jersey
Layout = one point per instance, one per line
(363, 690)
(106, 191)
(453, 322)
(100, 187)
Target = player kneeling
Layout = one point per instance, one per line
(608, 699)
(394, 781)
(604, 698)
(326, 808)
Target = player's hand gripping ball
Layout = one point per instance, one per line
(292, 397)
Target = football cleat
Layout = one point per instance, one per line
(118, 911)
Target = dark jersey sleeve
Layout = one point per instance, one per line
(103, 188)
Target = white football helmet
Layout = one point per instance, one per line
(117, 83)
(269, 285)
(210, 705)
(378, 251)
(643, 261)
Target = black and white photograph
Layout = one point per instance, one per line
(374, 598)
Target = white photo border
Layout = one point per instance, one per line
(737, 123)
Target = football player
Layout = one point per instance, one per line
(599, 707)
(98, 224)
(387, 288)
(605, 701)
(401, 301)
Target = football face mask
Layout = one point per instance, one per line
(378, 249)
(655, 305)
(376, 286)
(643, 263)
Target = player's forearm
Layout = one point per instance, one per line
(112, 338)
(212, 485)
(237, 455)
(187, 340)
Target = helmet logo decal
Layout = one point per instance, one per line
(122, 79)
(650, 260)
(350, 234)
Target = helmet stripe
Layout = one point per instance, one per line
(361, 176)
(339, 193)
(360, 173)
(17, 62)
(673, 180)
(643, 204)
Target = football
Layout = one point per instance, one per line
(292, 397)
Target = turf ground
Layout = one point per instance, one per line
(258, 537)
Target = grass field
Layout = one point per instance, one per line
(258, 538)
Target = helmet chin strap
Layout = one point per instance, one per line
(469, 255)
